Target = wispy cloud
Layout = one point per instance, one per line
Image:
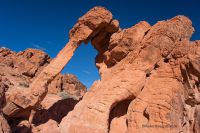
(86, 72)
(88, 84)
(37, 46)
(2, 46)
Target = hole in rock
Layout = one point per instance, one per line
(148, 74)
(145, 114)
(156, 66)
(197, 84)
(117, 118)
(146, 32)
(126, 122)
(166, 60)
(82, 65)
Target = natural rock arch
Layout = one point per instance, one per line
(97, 20)
(132, 62)
(135, 64)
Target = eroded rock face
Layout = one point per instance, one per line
(18, 70)
(91, 24)
(49, 127)
(150, 78)
(4, 127)
(149, 81)
(28, 63)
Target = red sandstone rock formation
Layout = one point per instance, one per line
(18, 70)
(90, 25)
(150, 78)
(149, 82)
(4, 127)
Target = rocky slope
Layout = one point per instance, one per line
(150, 78)
(18, 70)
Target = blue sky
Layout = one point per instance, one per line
(44, 24)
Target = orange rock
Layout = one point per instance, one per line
(150, 79)
(61, 94)
(86, 28)
(4, 127)
(141, 65)
(49, 127)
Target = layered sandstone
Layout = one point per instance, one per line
(4, 127)
(149, 82)
(91, 24)
(18, 71)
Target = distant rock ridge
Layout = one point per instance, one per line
(18, 70)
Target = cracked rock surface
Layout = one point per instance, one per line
(150, 80)
(18, 70)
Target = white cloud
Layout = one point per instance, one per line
(37, 46)
(86, 72)
(3, 47)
